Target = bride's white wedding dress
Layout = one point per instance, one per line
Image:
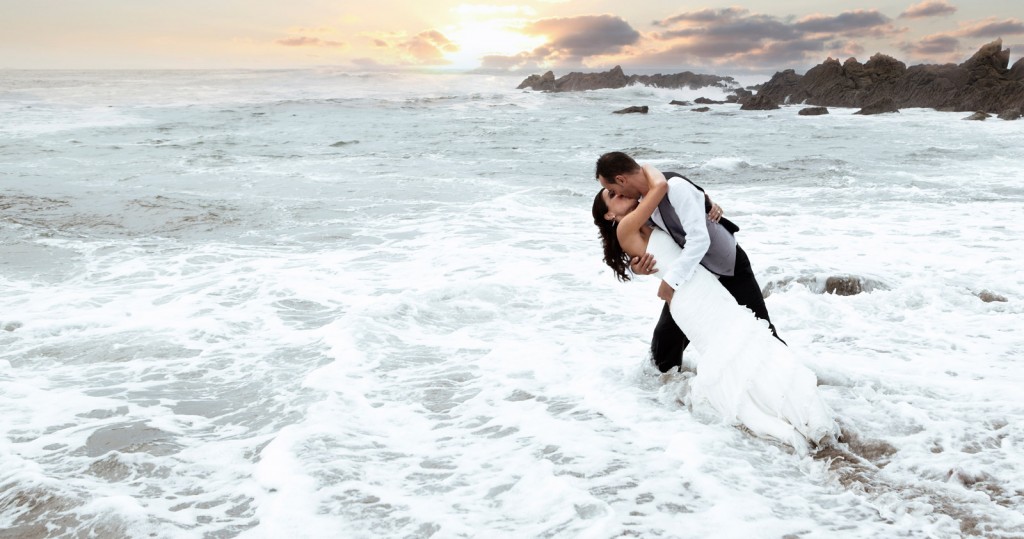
(743, 371)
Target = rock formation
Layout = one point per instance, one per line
(631, 110)
(616, 78)
(760, 102)
(984, 83)
(683, 103)
(839, 285)
(881, 106)
(988, 297)
(1011, 114)
(980, 116)
(813, 111)
(701, 109)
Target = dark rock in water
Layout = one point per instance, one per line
(844, 285)
(760, 102)
(616, 78)
(683, 103)
(882, 106)
(341, 143)
(979, 116)
(813, 111)
(701, 109)
(685, 79)
(706, 101)
(631, 110)
(981, 83)
(574, 82)
(1010, 114)
(741, 96)
(840, 285)
(989, 297)
(544, 83)
(782, 87)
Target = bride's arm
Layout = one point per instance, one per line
(657, 189)
(628, 229)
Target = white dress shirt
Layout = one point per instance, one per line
(688, 202)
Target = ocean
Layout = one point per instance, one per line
(311, 303)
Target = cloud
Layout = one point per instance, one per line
(704, 15)
(306, 41)
(579, 37)
(858, 22)
(933, 45)
(928, 8)
(991, 27)
(735, 36)
(750, 29)
(428, 48)
(945, 45)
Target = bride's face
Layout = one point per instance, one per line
(618, 205)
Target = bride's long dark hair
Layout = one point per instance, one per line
(614, 256)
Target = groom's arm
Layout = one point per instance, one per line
(689, 205)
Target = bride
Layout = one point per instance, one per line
(743, 371)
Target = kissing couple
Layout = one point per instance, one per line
(712, 301)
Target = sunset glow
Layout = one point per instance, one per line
(526, 35)
(488, 38)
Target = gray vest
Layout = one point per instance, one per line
(721, 256)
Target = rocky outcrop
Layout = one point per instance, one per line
(706, 101)
(759, 102)
(978, 116)
(682, 103)
(839, 285)
(984, 82)
(544, 83)
(632, 110)
(989, 297)
(1011, 114)
(781, 88)
(1017, 71)
(701, 109)
(616, 78)
(813, 111)
(740, 95)
(881, 106)
(575, 82)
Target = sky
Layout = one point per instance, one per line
(517, 36)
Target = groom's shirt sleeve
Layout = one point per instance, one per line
(689, 205)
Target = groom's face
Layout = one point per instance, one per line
(620, 186)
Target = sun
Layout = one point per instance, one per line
(484, 38)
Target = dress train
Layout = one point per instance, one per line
(745, 373)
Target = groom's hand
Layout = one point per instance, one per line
(643, 265)
(666, 292)
(715, 213)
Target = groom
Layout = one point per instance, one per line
(703, 241)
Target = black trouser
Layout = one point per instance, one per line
(668, 342)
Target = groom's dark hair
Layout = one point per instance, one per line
(612, 164)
